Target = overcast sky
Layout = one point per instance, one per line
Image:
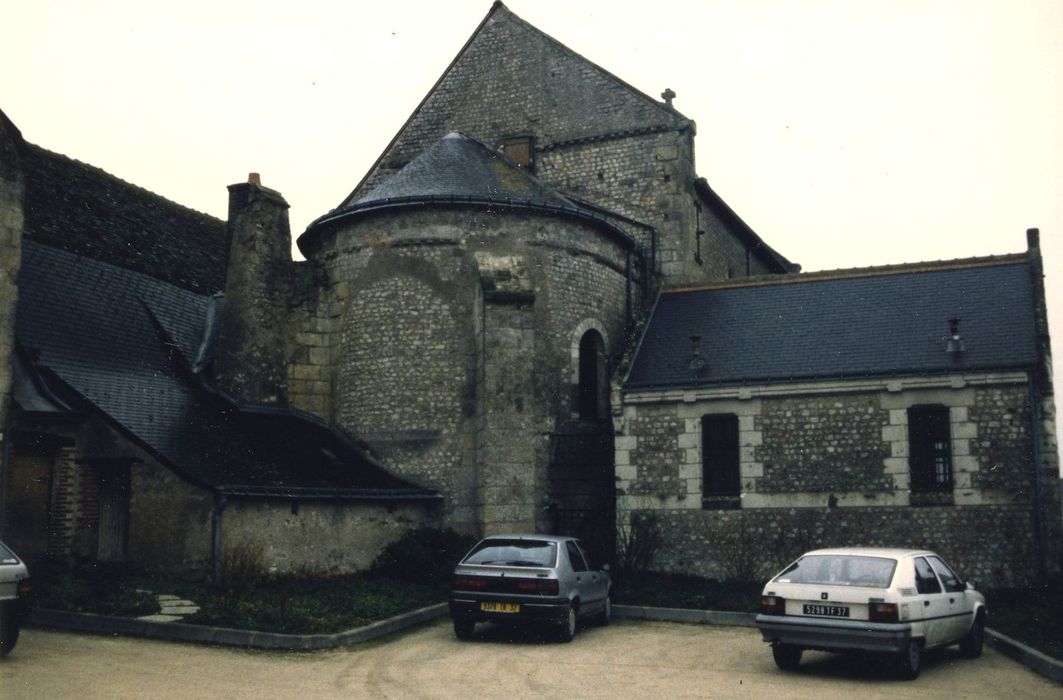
(845, 133)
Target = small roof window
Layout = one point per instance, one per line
(520, 150)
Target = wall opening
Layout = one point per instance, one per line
(591, 394)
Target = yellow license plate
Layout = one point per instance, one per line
(500, 607)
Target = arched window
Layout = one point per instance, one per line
(591, 399)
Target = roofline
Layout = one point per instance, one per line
(642, 338)
(126, 183)
(744, 230)
(327, 493)
(115, 424)
(757, 381)
(858, 272)
(495, 6)
(459, 201)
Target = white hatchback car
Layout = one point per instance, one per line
(14, 590)
(900, 601)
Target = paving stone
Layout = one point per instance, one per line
(160, 618)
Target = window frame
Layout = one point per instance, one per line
(513, 142)
(930, 468)
(721, 464)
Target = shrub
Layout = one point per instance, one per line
(242, 568)
(638, 542)
(423, 555)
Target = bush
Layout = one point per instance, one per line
(95, 587)
(424, 555)
(638, 543)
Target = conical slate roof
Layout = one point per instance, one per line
(457, 170)
(459, 167)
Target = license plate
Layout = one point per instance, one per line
(500, 607)
(827, 610)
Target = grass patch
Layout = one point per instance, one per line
(284, 604)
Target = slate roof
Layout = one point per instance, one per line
(889, 321)
(78, 207)
(459, 170)
(119, 343)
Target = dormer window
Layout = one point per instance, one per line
(520, 150)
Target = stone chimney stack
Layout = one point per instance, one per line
(250, 363)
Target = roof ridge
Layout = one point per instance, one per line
(495, 7)
(141, 276)
(859, 272)
(670, 111)
(123, 181)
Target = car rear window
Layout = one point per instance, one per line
(513, 553)
(840, 570)
(7, 556)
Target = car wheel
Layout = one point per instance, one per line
(971, 645)
(909, 661)
(463, 627)
(8, 628)
(607, 612)
(568, 627)
(786, 657)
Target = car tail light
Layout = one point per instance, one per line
(467, 583)
(24, 587)
(772, 605)
(882, 612)
(546, 586)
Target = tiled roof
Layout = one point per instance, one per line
(80, 208)
(457, 166)
(889, 321)
(119, 342)
(459, 170)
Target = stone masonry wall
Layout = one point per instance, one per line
(990, 544)
(828, 444)
(723, 255)
(450, 338)
(837, 457)
(320, 536)
(11, 220)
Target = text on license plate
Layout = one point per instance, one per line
(500, 607)
(828, 610)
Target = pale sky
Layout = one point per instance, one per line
(845, 133)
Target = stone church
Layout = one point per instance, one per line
(530, 315)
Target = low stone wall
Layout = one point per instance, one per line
(312, 536)
(989, 544)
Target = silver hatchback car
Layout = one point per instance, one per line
(529, 579)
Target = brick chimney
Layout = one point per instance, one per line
(249, 361)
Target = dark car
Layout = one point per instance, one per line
(529, 579)
(14, 589)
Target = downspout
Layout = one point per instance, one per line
(215, 535)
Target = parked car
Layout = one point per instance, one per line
(897, 601)
(14, 590)
(536, 579)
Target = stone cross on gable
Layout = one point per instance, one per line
(668, 95)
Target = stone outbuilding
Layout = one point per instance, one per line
(909, 404)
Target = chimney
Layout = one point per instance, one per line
(250, 362)
(1033, 238)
